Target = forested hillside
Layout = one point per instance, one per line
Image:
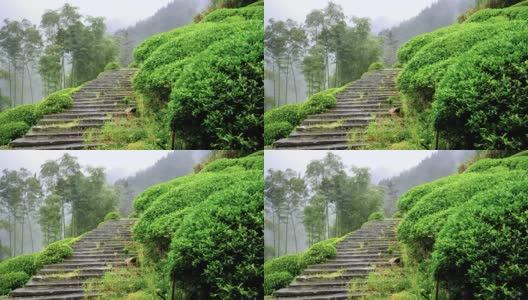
(328, 50)
(65, 199)
(175, 164)
(439, 14)
(327, 202)
(440, 164)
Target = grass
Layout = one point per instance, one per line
(64, 125)
(327, 276)
(328, 125)
(132, 283)
(64, 275)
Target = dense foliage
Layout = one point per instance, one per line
(473, 76)
(195, 227)
(470, 228)
(279, 122)
(280, 271)
(205, 81)
(16, 271)
(15, 122)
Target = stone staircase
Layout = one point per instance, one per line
(97, 102)
(361, 102)
(360, 253)
(95, 253)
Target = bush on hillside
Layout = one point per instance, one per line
(56, 102)
(55, 252)
(481, 248)
(422, 223)
(276, 281)
(220, 239)
(408, 50)
(186, 220)
(205, 80)
(11, 131)
(376, 216)
(294, 114)
(23, 263)
(376, 66)
(516, 162)
(11, 281)
(23, 113)
(113, 215)
(485, 107)
(112, 66)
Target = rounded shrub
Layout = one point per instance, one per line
(291, 263)
(320, 252)
(288, 113)
(221, 239)
(376, 216)
(22, 263)
(113, 215)
(376, 66)
(276, 281)
(23, 113)
(482, 247)
(276, 131)
(505, 164)
(11, 131)
(11, 281)
(56, 102)
(248, 13)
(486, 105)
(55, 253)
(112, 66)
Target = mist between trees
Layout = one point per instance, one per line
(332, 199)
(328, 50)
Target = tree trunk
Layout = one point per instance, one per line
(286, 241)
(22, 91)
(30, 85)
(278, 73)
(63, 221)
(287, 78)
(31, 234)
(279, 234)
(274, 86)
(294, 83)
(294, 233)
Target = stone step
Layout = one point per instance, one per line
(299, 142)
(31, 142)
(326, 283)
(346, 271)
(77, 146)
(340, 296)
(70, 296)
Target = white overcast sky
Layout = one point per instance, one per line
(382, 164)
(118, 164)
(118, 13)
(393, 10)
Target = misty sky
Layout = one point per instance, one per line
(393, 10)
(383, 164)
(118, 13)
(118, 164)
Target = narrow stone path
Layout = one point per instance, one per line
(360, 253)
(97, 252)
(363, 101)
(97, 102)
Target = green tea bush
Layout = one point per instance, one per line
(294, 114)
(248, 13)
(427, 67)
(466, 227)
(205, 80)
(56, 102)
(413, 46)
(423, 222)
(112, 66)
(113, 215)
(505, 14)
(507, 164)
(11, 131)
(481, 248)
(220, 239)
(276, 131)
(376, 216)
(204, 114)
(55, 252)
(204, 230)
(485, 106)
(376, 66)
(15, 122)
(294, 264)
(23, 113)
(411, 197)
(11, 281)
(23, 263)
(276, 281)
